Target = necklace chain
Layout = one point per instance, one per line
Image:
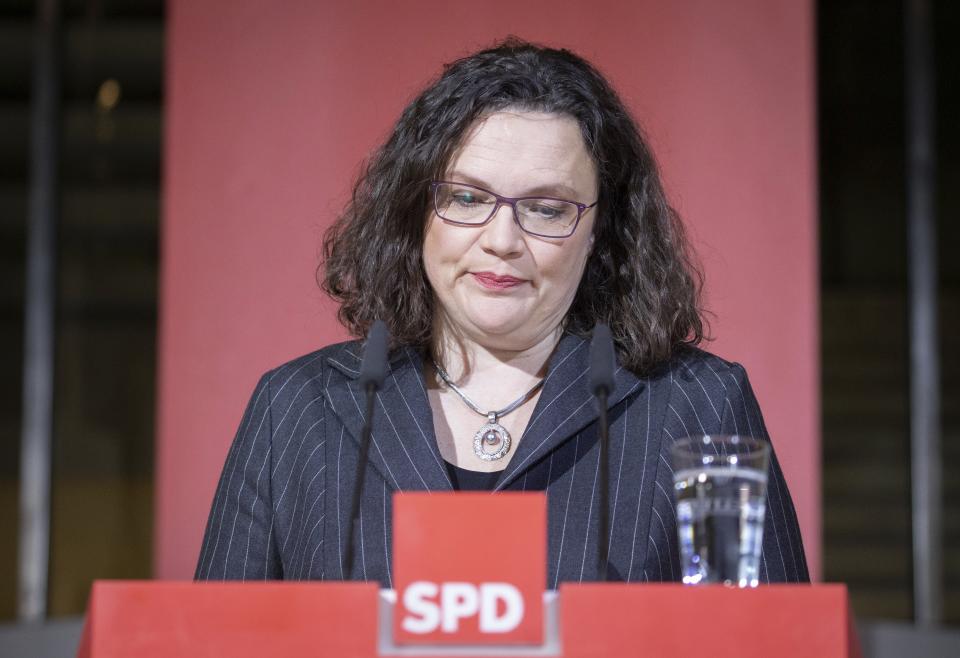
(492, 436)
(492, 415)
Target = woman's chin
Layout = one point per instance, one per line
(509, 332)
(497, 323)
(497, 319)
(500, 329)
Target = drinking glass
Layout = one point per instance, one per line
(720, 487)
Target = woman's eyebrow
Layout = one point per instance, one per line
(460, 177)
(559, 190)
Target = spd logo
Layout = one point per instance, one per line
(497, 606)
(469, 568)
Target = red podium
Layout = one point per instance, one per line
(174, 620)
(443, 608)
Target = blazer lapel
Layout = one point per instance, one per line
(566, 405)
(402, 448)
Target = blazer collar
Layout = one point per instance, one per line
(404, 448)
(566, 405)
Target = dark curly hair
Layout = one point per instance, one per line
(640, 278)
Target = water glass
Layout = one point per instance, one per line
(720, 487)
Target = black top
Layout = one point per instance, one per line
(464, 480)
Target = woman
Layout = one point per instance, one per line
(514, 206)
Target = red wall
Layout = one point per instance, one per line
(272, 106)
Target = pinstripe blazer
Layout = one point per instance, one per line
(282, 503)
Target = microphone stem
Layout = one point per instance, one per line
(603, 529)
(362, 460)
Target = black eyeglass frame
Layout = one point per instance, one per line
(512, 202)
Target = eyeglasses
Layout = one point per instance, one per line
(469, 205)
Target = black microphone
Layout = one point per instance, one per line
(373, 370)
(601, 385)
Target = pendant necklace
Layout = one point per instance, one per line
(492, 433)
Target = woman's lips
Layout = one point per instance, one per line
(495, 281)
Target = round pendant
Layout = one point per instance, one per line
(491, 435)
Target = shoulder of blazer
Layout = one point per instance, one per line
(704, 388)
(347, 357)
(288, 380)
(691, 369)
(331, 372)
(691, 363)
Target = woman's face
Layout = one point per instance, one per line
(495, 284)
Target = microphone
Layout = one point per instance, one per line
(373, 367)
(601, 386)
(601, 360)
(373, 370)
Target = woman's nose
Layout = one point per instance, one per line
(502, 235)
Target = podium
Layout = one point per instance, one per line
(446, 606)
(174, 620)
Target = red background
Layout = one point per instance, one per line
(271, 108)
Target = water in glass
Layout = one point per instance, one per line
(720, 491)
